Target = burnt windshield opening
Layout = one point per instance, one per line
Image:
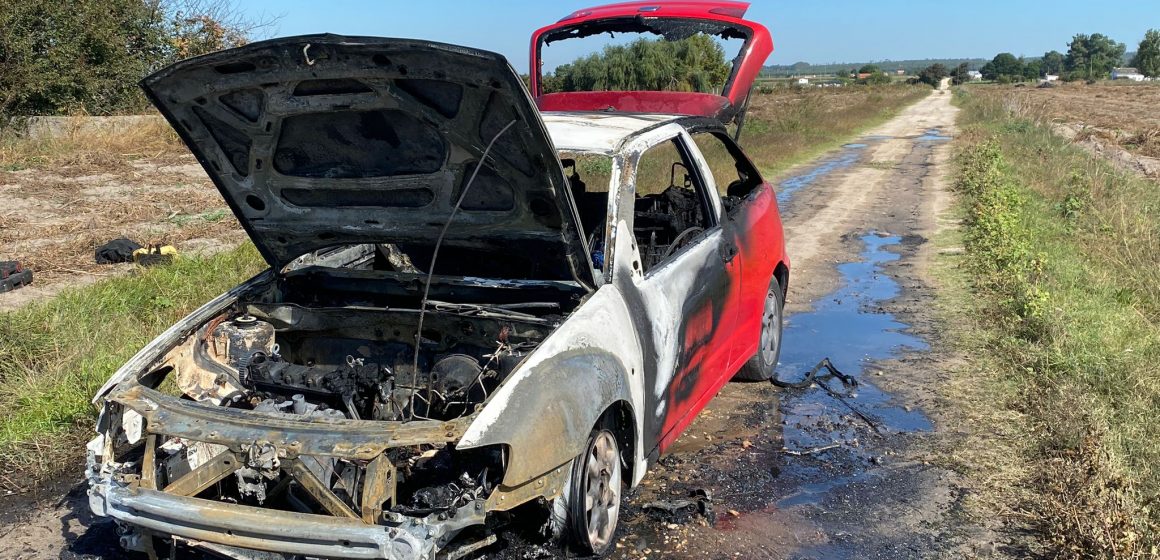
(641, 54)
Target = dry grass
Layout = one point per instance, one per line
(1124, 114)
(85, 149)
(790, 125)
(66, 196)
(1058, 303)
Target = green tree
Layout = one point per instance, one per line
(1032, 69)
(1092, 56)
(1004, 67)
(932, 75)
(869, 69)
(960, 75)
(1053, 63)
(693, 64)
(1147, 59)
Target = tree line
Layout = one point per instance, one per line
(1088, 57)
(86, 56)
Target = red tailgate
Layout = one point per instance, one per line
(721, 18)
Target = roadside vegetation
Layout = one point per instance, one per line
(786, 126)
(56, 353)
(1059, 291)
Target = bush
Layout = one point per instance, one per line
(87, 56)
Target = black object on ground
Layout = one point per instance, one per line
(700, 502)
(13, 276)
(117, 251)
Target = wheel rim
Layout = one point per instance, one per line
(770, 329)
(602, 491)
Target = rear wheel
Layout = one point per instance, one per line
(594, 493)
(763, 364)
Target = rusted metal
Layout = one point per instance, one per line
(149, 463)
(378, 488)
(548, 486)
(211, 472)
(310, 483)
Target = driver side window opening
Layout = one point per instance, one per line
(589, 177)
(672, 207)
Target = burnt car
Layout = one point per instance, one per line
(480, 299)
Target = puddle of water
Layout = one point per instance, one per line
(847, 327)
(934, 135)
(847, 157)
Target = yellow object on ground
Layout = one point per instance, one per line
(154, 254)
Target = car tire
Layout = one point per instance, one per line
(594, 494)
(763, 364)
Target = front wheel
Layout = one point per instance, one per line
(594, 493)
(763, 364)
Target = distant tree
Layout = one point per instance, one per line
(1032, 68)
(869, 69)
(961, 74)
(1053, 63)
(1004, 67)
(1092, 56)
(932, 75)
(693, 64)
(1147, 59)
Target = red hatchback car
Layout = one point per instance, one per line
(478, 298)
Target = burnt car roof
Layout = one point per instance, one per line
(606, 132)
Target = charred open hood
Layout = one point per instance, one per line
(672, 20)
(324, 140)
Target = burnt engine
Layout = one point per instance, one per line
(309, 375)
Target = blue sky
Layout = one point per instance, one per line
(818, 31)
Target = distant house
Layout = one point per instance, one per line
(900, 72)
(1127, 74)
(862, 75)
(1051, 78)
(974, 75)
(803, 81)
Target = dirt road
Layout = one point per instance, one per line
(786, 473)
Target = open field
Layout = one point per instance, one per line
(64, 197)
(1106, 117)
(1058, 304)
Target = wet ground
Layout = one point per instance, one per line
(840, 471)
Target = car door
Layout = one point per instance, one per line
(686, 291)
(751, 223)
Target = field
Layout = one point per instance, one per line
(63, 336)
(1058, 302)
(1119, 115)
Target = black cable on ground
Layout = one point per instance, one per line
(832, 372)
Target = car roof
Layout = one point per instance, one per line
(602, 133)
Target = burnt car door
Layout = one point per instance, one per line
(751, 222)
(682, 281)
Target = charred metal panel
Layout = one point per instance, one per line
(389, 130)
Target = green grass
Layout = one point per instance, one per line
(56, 353)
(1060, 284)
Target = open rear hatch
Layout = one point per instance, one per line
(672, 21)
(323, 140)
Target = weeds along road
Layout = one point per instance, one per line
(789, 473)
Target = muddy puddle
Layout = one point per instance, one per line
(847, 156)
